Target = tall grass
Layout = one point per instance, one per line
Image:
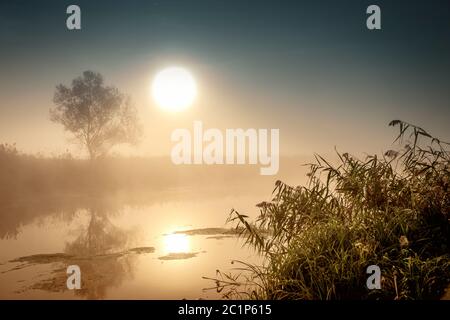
(317, 240)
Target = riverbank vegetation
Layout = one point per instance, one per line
(317, 240)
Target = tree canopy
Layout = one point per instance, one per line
(98, 116)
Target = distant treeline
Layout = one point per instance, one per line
(31, 175)
(24, 176)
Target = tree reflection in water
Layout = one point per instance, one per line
(100, 250)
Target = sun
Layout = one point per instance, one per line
(174, 89)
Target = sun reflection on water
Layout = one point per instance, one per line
(176, 243)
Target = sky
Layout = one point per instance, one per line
(309, 68)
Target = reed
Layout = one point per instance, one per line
(317, 240)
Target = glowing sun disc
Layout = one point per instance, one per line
(174, 89)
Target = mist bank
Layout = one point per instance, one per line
(24, 177)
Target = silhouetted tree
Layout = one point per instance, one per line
(98, 116)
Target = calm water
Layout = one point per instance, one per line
(158, 249)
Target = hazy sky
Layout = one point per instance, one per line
(309, 68)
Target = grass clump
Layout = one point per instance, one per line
(318, 240)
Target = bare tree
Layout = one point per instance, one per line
(98, 116)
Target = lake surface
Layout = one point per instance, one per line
(155, 249)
